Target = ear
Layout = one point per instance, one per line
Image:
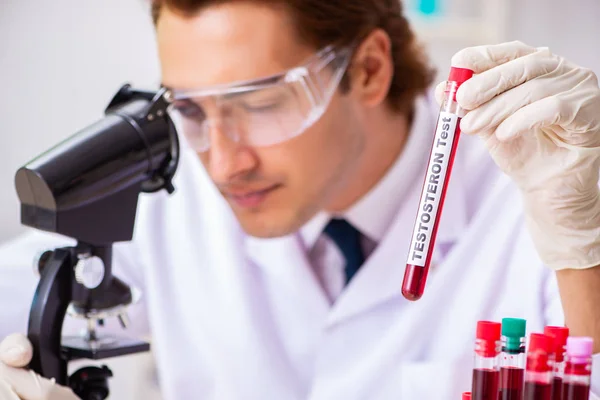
(372, 69)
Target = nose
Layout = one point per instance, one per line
(226, 158)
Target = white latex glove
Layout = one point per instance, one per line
(539, 116)
(20, 384)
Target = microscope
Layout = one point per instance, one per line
(87, 188)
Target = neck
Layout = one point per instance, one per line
(384, 141)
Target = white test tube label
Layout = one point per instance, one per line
(437, 171)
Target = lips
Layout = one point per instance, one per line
(249, 199)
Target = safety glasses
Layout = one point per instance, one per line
(262, 112)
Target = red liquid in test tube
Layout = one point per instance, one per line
(512, 359)
(433, 193)
(560, 335)
(511, 383)
(578, 368)
(538, 373)
(486, 371)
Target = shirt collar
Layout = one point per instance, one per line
(373, 214)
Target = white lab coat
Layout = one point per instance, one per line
(238, 318)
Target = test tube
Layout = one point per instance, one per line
(578, 368)
(560, 335)
(433, 193)
(486, 370)
(466, 396)
(512, 359)
(538, 373)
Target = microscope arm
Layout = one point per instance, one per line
(48, 311)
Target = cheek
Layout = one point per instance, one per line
(312, 160)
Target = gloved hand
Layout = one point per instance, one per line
(539, 116)
(19, 384)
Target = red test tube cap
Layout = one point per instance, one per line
(538, 354)
(488, 338)
(560, 335)
(460, 75)
(466, 396)
(541, 342)
(489, 331)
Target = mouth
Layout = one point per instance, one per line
(249, 199)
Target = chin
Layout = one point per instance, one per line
(267, 225)
(263, 231)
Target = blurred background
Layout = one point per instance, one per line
(62, 61)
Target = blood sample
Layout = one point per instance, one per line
(512, 359)
(578, 368)
(486, 371)
(560, 335)
(538, 373)
(433, 193)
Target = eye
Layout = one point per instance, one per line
(262, 106)
(264, 100)
(189, 109)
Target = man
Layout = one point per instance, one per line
(274, 272)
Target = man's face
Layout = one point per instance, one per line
(272, 190)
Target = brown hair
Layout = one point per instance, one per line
(322, 22)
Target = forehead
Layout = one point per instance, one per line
(226, 43)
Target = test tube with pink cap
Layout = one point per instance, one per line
(578, 368)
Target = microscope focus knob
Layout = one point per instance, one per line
(89, 271)
(39, 262)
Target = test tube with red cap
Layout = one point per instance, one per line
(578, 368)
(466, 396)
(538, 372)
(439, 168)
(560, 335)
(486, 371)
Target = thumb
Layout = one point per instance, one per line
(16, 350)
(30, 386)
(439, 92)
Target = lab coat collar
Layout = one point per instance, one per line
(285, 260)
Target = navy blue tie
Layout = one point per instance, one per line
(347, 239)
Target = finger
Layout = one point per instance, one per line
(16, 350)
(6, 392)
(494, 112)
(543, 113)
(30, 386)
(482, 58)
(557, 113)
(439, 92)
(491, 114)
(484, 87)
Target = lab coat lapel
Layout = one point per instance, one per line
(380, 278)
(285, 260)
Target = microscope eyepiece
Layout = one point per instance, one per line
(87, 187)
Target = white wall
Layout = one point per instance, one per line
(570, 28)
(60, 63)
